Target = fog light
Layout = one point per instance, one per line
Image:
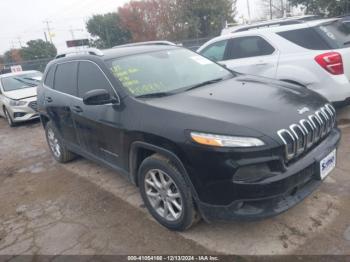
(19, 114)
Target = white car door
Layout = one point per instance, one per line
(251, 55)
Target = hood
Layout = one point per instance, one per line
(259, 104)
(21, 93)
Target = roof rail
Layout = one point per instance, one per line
(270, 23)
(86, 51)
(162, 42)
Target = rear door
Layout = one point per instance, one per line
(251, 55)
(98, 126)
(59, 99)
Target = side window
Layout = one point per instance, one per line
(50, 77)
(90, 77)
(66, 78)
(215, 51)
(250, 46)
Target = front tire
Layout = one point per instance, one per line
(166, 194)
(8, 118)
(56, 145)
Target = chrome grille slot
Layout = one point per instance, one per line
(289, 142)
(323, 119)
(301, 136)
(309, 130)
(317, 124)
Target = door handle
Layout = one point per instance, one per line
(77, 109)
(48, 99)
(261, 64)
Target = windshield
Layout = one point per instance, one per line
(169, 71)
(22, 81)
(336, 33)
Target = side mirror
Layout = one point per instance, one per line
(98, 97)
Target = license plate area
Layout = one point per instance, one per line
(327, 164)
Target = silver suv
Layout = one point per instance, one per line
(18, 96)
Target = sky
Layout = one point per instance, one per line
(23, 20)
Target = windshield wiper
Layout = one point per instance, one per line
(204, 83)
(151, 95)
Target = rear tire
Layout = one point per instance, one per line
(8, 118)
(57, 148)
(166, 194)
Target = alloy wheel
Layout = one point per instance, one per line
(163, 194)
(53, 143)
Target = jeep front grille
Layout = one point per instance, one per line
(299, 137)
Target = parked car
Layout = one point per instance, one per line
(196, 138)
(18, 96)
(312, 54)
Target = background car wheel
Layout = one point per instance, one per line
(56, 145)
(8, 118)
(165, 193)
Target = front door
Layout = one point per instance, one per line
(251, 55)
(98, 126)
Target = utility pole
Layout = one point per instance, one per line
(45, 35)
(270, 9)
(248, 7)
(47, 22)
(19, 41)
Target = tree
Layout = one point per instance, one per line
(142, 19)
(175, 19)
(2, 61)
(207, 17)
(37, 49)
(324, 7)
(13, 56)
(108, 30)
(274, 9)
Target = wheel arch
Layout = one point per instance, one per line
(140, 150)
(44, 120)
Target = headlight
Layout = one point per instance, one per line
(225, 141)
(17, 102)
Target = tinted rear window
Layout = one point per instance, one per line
(336, 32)
(306, 37)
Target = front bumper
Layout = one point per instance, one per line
(272, 195)
(24, 113)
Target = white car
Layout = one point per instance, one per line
(18, 96)
(314, 54)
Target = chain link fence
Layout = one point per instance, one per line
(193, 44)
(38, 64)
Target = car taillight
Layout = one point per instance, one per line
(332, 62)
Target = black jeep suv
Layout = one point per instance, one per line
(197, 139)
